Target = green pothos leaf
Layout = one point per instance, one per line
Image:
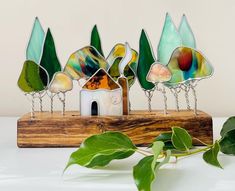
(144, 174)
(166, 138)
(228, 126)
(181, 139)
(211, 156)
(227, 143)
(144, 171)
(99, 150)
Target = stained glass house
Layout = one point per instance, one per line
(101, 95)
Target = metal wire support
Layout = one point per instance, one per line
(149, 94)
(175, 92)
(62, 99)
(51, 96)
(195, 98)
(163, 90)
(40, 101)
(186, 89)
(165, 99)
(32, 106)
(52, 101)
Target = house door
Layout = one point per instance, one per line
(94, 108)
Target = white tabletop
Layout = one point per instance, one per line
(41, 170)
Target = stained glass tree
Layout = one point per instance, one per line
(49, 61)
(146, 59)
(34, 48)
(95, 40)
(35, 44)
(30, 81)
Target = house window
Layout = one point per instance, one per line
(94, 108)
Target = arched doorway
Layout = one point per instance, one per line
(94, 108)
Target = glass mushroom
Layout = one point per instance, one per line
(60, 84)
(188, 66)
(158, 74)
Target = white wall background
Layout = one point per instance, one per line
(71, 22)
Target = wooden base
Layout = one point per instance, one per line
(56, 130)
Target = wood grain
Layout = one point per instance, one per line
(56, 130)
(125, 101)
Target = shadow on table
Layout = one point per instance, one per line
(99, 176)
(113, 172)
(166, 179)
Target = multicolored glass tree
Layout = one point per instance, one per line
(115, 56)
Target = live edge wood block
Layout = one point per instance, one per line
(56, 130)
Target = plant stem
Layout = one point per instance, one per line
(143, 152)
(147, 153)
(201, 141)
(192, 152)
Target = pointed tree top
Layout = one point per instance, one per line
(49, 59)
(35, 44)
(186, 33)
(170, 39)
(95, 40)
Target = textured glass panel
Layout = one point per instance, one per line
(95, 40)
(114, 58)
(186, 33)
(84, 63)
(49, 59)
(101, 80)
(170, 39)
(146, 59)
(29, 80)
(35, 45)
(126, 59)
(158, 73)
(188, 64)
(61, 82)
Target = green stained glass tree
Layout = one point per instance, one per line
(170, 39)
(186, 33)
(34, 48)
(49, 59)
(30, 82)
(95, 40)
(146, 59)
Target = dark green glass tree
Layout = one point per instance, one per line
(49, 59)
(146, 59)
(95, 40)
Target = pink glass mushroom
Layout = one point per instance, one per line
(158, 74)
